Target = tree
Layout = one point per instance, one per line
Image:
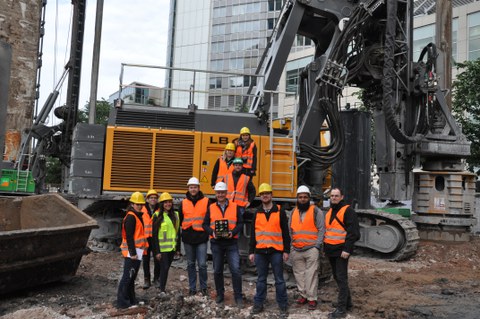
(466, 107)
(101, 116)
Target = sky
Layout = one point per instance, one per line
(132, 32)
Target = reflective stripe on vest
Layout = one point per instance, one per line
(138, 236)
(304, 233)
(269, 233)
(223, 170)
(237, 194)
(193, 215)
(335, 234)
(230, 215)
(147, 222)
(248, 153)
(167, 232)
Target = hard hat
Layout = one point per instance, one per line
(264, 188)
(245, 130)
(230, 147)
(220, 186)
(193, 181)
(237, 160)
(151, 192)
(165, 196)
(137, 198)
(303, 189)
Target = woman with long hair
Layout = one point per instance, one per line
(166, 223)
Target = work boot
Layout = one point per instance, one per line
(192, 292)
(349, 306)
(219, 300)
(146, 283)
(205, 292)
(337, 314)
(257, 308)
(284, 312)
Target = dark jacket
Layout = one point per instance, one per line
(189, 235)
(130, 224)
(157, 223)
(251, 191)
(283, 225)
(224, 241)
(353, 231)
(217, 167)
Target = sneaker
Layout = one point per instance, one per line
(219, 299)
(337, 314)
(192, 292)
(257, 308)
(162, 294)
(146, 284)
(301, 301)
(312, 305)
(204, 292)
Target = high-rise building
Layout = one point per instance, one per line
(223, 37)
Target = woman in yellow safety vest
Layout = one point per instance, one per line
(166, 224)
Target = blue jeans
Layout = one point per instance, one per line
(126, 287)
(196, 253)
(233, 257)
(262, 261)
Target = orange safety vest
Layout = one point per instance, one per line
(237, 194)
(139, 236)
(147, 222)
(193, 215)
(239, 152)
(230, 215)
(223, 170)
(335, 234)
(269, 233)
(304, 233)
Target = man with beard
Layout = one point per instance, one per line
(306, 227)
(192, 211)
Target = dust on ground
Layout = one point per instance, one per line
(441, 281)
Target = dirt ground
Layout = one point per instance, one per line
(441, 281)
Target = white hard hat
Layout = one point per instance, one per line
(193, 181)
(303, 189)
(220, 186)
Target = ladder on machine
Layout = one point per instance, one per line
(282, 169)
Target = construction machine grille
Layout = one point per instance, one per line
(173, 161)
(131, 159)
(177, 121)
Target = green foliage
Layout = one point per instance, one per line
(54, 171)
(466, 106)
(101, 115)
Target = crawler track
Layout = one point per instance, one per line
(370, 218)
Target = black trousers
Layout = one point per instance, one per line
(146, 262)
(126, 287)
(165, 263)
(340, 274)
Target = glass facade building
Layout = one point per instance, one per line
(225, 37)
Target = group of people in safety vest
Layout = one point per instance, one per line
(154, 227)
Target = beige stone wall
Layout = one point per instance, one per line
(19, 26)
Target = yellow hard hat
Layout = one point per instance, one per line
(264, 188)
(137, 198)
(230, 147)
(165, 196)
(151, 192)
(244, 130)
